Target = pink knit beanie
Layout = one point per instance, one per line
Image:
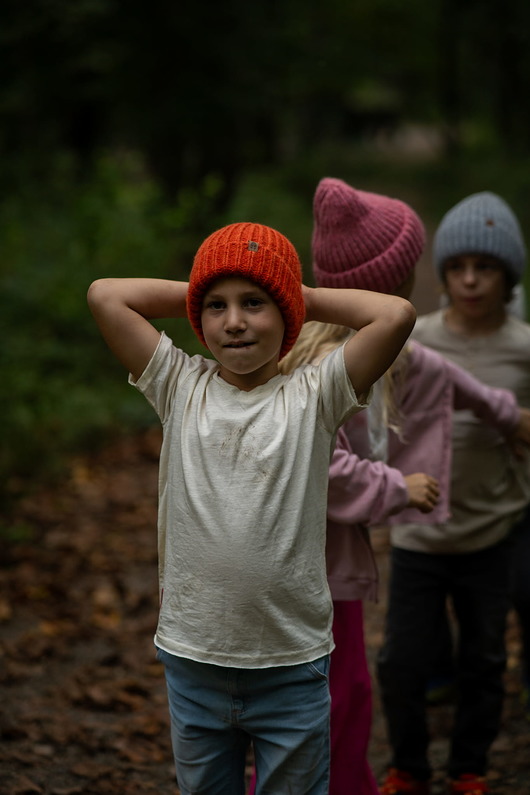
(363, 240)
(255, 252)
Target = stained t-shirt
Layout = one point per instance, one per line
(242, 508)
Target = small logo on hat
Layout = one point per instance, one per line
(253, 246)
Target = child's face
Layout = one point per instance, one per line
(243, 328)
(476, 286)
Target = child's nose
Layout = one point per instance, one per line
(234, 319)
(470, 274)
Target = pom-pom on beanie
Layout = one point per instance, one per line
(482, 223)
(255, 252)
(361, 239)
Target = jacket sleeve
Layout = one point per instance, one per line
(360, 490)
(497, 407)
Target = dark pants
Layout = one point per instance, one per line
(521, 586)
(478, 584)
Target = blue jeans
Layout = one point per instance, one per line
(216, 712)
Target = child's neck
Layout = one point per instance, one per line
(246, 382)
(474, 327)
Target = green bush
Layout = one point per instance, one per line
(61, 391)
(60, 387)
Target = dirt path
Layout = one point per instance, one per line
(83, 705)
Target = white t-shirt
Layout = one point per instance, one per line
(242, 509)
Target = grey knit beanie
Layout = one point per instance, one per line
(481, 224)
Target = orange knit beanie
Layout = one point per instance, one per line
(255, 252)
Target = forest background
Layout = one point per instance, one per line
(130, 130)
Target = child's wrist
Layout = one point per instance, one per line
(308, 293)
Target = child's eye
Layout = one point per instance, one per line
(216, 306)
(253, 303)
(453, 267)
(487, 265)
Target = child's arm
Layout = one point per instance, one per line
(383, 324)
(493, 405)
(122, 309)
(368, 492)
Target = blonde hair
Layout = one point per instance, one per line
(314, 342)
(317, 339)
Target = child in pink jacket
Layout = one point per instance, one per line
(367, 241)
(360, 492)
(363, 492)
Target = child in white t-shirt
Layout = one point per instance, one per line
(244, 629)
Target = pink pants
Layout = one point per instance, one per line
(351, 705)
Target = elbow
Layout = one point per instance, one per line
(410, 312)
(98, 292)
(406, 316)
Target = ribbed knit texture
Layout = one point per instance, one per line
(482, 223)
(255, 252)
(362, 239)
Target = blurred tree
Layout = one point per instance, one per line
(499, 38)
(203, 89)
(53, 66)
(448, 73)
(484, 69)
(207, 89)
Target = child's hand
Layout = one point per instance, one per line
(423, 491)
(520, 440)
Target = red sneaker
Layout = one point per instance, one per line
(398, 782)
(468, 784)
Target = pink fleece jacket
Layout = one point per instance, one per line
(360, 492)
(363, 492)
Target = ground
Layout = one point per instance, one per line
(83, 700)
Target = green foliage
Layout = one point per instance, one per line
(235, 108)
(16, 533)
(224, 88)
(61, 390)
(60, 387)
